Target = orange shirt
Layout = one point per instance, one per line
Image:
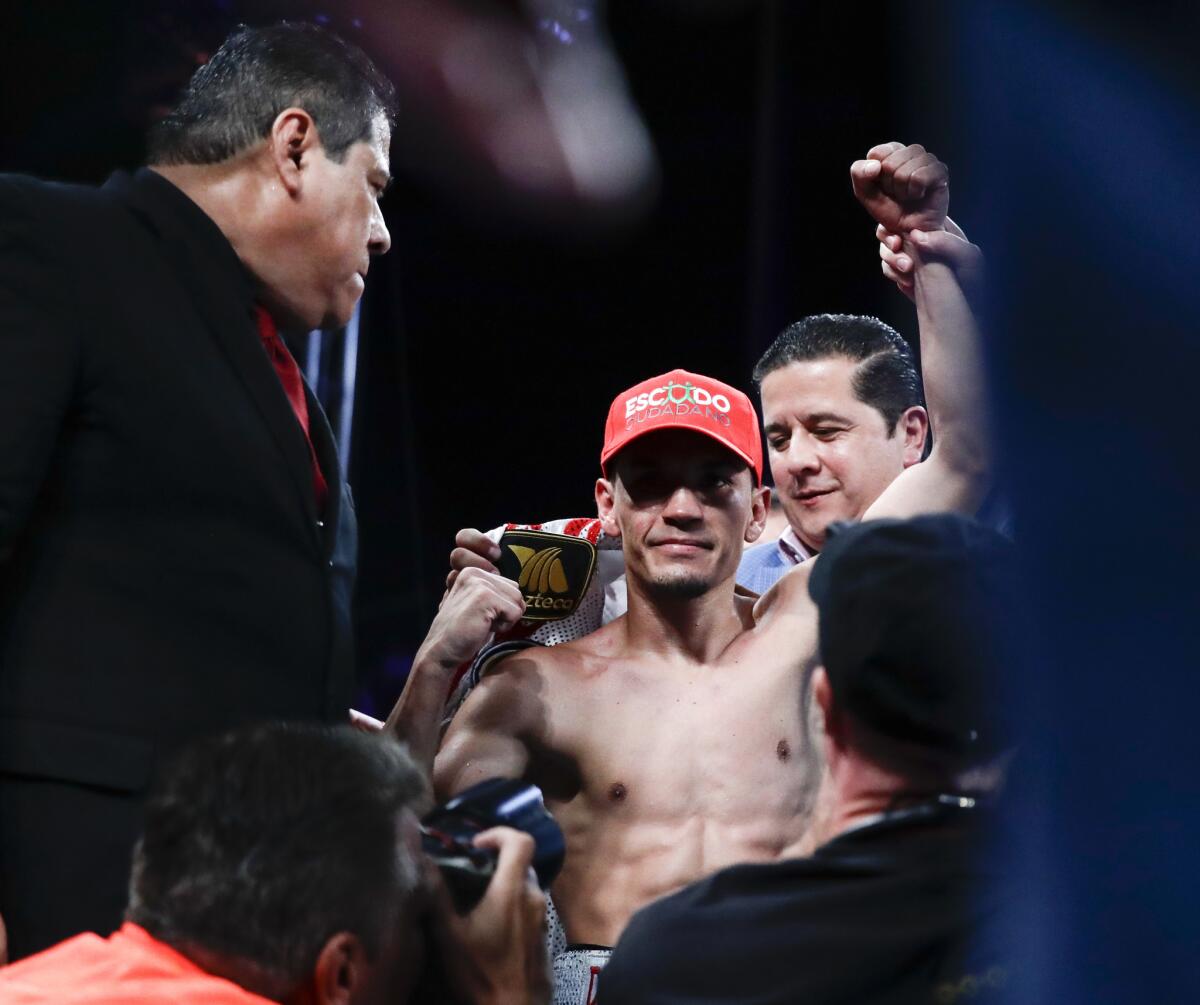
(130, 966)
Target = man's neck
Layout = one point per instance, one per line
(693, 630)
(852, 791)
(246, 974)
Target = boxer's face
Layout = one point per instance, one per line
(831, 454)
(684, 506)
(334, 228)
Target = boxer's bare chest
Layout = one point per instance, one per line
(640, 742)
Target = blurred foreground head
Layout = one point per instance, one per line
(915, 621)
(519, 106)
(284, 857)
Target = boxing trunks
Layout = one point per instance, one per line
(577, 974)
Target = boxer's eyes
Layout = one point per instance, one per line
(653, 487)
(645, 487)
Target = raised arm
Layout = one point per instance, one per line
(906, 190)
(478, 604)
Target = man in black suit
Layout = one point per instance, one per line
(177, 547)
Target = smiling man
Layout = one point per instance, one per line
(843, 415)
(176, 544)
(842, 398)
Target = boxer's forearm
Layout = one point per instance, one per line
(952, 373)
(477, 606)
(417, 717)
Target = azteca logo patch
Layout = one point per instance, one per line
(552, 570)
(540, 570)
(676, 399)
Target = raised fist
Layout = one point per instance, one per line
(903, 187)
(476, 605)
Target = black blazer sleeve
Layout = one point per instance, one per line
(39, 352)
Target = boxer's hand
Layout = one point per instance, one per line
(473, 550)
(903, 187)
(499, 949)
(478, 604)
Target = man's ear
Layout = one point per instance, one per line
(914, 427)
(605, 494)
(341, 970)
(760, 508)
(293, 136)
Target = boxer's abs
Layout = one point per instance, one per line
(674, 773)
(620, 865)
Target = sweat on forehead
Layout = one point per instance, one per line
(689, 401)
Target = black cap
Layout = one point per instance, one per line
(914, 618)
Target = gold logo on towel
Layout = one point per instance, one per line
(552, 570)
(540, 570)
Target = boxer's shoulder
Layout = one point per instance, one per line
(787, 597)
(535, 663)
(746, 603)
(568, 663)
(513, 668)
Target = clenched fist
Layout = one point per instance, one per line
(903, 187)
(476, 605)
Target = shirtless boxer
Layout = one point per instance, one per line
(664, 741)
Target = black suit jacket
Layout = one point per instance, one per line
(164, 572)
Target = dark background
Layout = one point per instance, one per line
(493, 348)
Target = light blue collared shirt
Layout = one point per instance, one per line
(764, 564)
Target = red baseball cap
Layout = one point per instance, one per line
(683, 400)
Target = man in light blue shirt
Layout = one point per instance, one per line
(842, 399)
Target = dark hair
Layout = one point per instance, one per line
(232, 100)
(927, 769)
(261, 844)
(887, 379)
